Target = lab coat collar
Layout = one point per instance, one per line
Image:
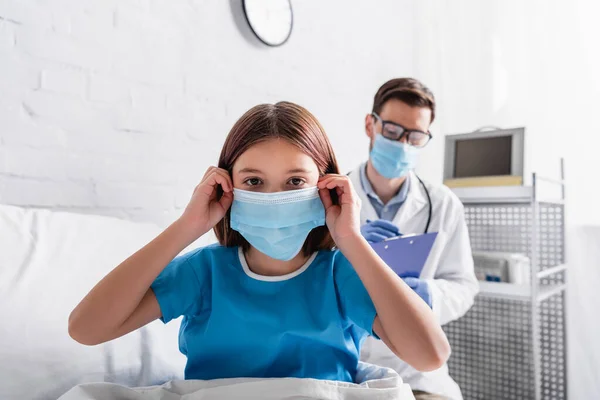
(415, 201)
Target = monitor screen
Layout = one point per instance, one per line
(483, 157)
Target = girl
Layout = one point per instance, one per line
(273, 299)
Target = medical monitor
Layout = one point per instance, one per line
(484, 158)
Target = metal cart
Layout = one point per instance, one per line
(512, 343)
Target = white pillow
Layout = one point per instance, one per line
(48, 262)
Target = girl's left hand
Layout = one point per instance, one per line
(343, 219)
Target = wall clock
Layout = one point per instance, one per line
(270, 20)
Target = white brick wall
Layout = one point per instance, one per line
(118, 107)
(65, 81)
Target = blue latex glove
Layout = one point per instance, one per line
(378, 231)
(420, 287)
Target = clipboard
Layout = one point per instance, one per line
(406, 255)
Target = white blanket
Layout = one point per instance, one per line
(375, 384)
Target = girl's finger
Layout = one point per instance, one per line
(224, 181)
(328, 181)
(344, 189)
(226, 200)
(228, 186)
(339, 182)
(225, 175)
(345, 197)
(326, 198)
(213, 169)
(207, 185)
(327, 178)
(323, 182)
(207, 173)
(342, 186)
(215, 179)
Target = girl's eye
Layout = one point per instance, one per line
(296, 181)
(252, 181)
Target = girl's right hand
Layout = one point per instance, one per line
(204, 210)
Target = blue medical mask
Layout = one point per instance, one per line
(277, 224)
(393, 159)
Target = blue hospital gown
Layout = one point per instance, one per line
(308, 324)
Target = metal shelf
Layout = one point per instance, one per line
(551, 271)
(525, 325)
(502, 195)
(504, 290)
(547, 291)
(517, 292)
(494, 194)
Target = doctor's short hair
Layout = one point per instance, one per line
(283, 120)
(407, 90)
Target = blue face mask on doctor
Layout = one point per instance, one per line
(393, 159)
(277, 224)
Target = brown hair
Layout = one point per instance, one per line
(299, 127)
(407, 90)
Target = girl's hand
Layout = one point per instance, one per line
(343, 219)
(204, 210)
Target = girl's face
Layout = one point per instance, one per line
(274, 166)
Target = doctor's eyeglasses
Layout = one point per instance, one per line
(394, 131)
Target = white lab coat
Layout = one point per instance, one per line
(448, 271)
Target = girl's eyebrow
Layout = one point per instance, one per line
(251, 171)
(298, 170)
(258, 171)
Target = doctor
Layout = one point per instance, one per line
(395, 200)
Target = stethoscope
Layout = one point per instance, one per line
(428, 201)
(430, 205)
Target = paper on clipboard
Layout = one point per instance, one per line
(406, 255)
